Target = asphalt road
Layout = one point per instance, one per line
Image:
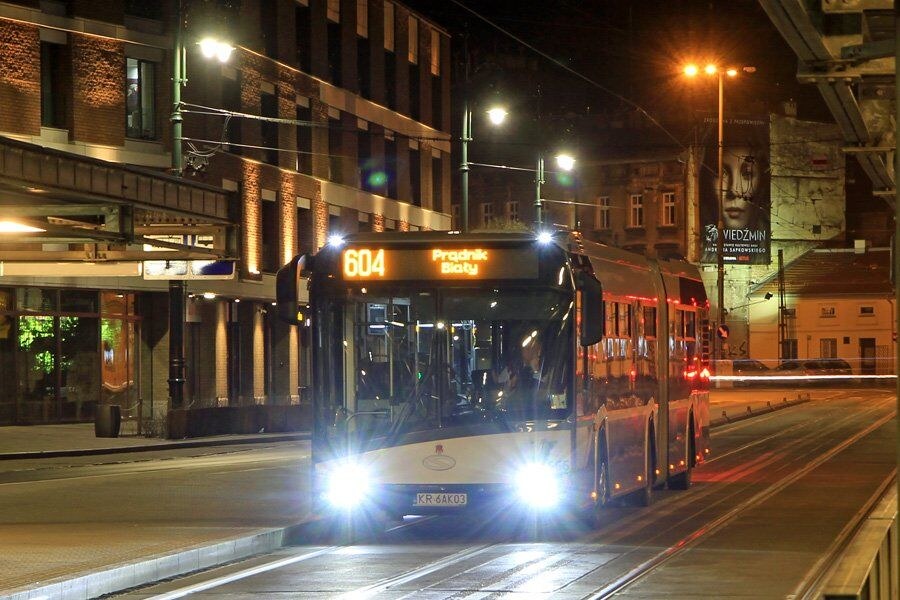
(66, 515)
(761, 516)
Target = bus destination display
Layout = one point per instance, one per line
(388, 264)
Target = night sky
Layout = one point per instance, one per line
(631, 51)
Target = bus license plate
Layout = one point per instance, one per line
(440, 499)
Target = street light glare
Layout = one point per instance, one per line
(565, 162)
(710, 69)
(731, 72)
(691, 70)
(497, 115)
(213, 48)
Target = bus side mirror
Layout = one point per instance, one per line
(592, 309)
(287, 290)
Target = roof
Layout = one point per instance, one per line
(834, 273)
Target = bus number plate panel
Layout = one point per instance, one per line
(440, 499)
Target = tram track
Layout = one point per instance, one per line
(648, 566)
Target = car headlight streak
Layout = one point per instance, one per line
(348, 486)
(538, 485)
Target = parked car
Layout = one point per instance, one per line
(820, 370)
(749, 372)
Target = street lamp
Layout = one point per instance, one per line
(565, 162)
(209, 47)
(496, 115)
(720, 73)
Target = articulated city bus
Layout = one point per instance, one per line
(451, 371)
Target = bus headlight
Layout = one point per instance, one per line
(538, 485)
(347, 485)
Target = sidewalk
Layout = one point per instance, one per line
(49, 441)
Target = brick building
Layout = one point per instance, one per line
(331, 116)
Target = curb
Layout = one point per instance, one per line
(155, 569)
(148, 570)
(151, 447)
(785, 403)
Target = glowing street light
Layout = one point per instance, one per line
(496, 116)
(214, 48)
(713, 70)
(565, 162)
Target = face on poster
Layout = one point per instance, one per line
(744, 184)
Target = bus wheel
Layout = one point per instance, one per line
(594, 514)
(682, 481)
(644, 496)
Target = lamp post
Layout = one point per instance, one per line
(710, 69)
(497, 116)
(565, 162)
(177, 287)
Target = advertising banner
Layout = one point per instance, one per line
(745, 189)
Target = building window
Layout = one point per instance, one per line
(269, 236)
(269, 129)
(414, 94)
(867, 311)
(668, 209)
(437, 183)
(304, 139)
(367, 172)
(413, 50)
(390, 165)
(827, 312)
(268, 21)
(335, 149)
(828, 348)
(512, 211)
(53, 102)
(637, 210)
(363, 68)
(415, 174)
(334, 53)
(305, 235)
(231, 100)
(304, 37)
(603, 214)
(140, 99)
(487, 213)
(144, 10)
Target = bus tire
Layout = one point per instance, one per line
(682, 481)
(595, 512)
(644, 496)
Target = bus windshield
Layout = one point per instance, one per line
(428, 359)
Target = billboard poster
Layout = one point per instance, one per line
(746, 198)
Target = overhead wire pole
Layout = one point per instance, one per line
(177, 288)
(720, 225)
